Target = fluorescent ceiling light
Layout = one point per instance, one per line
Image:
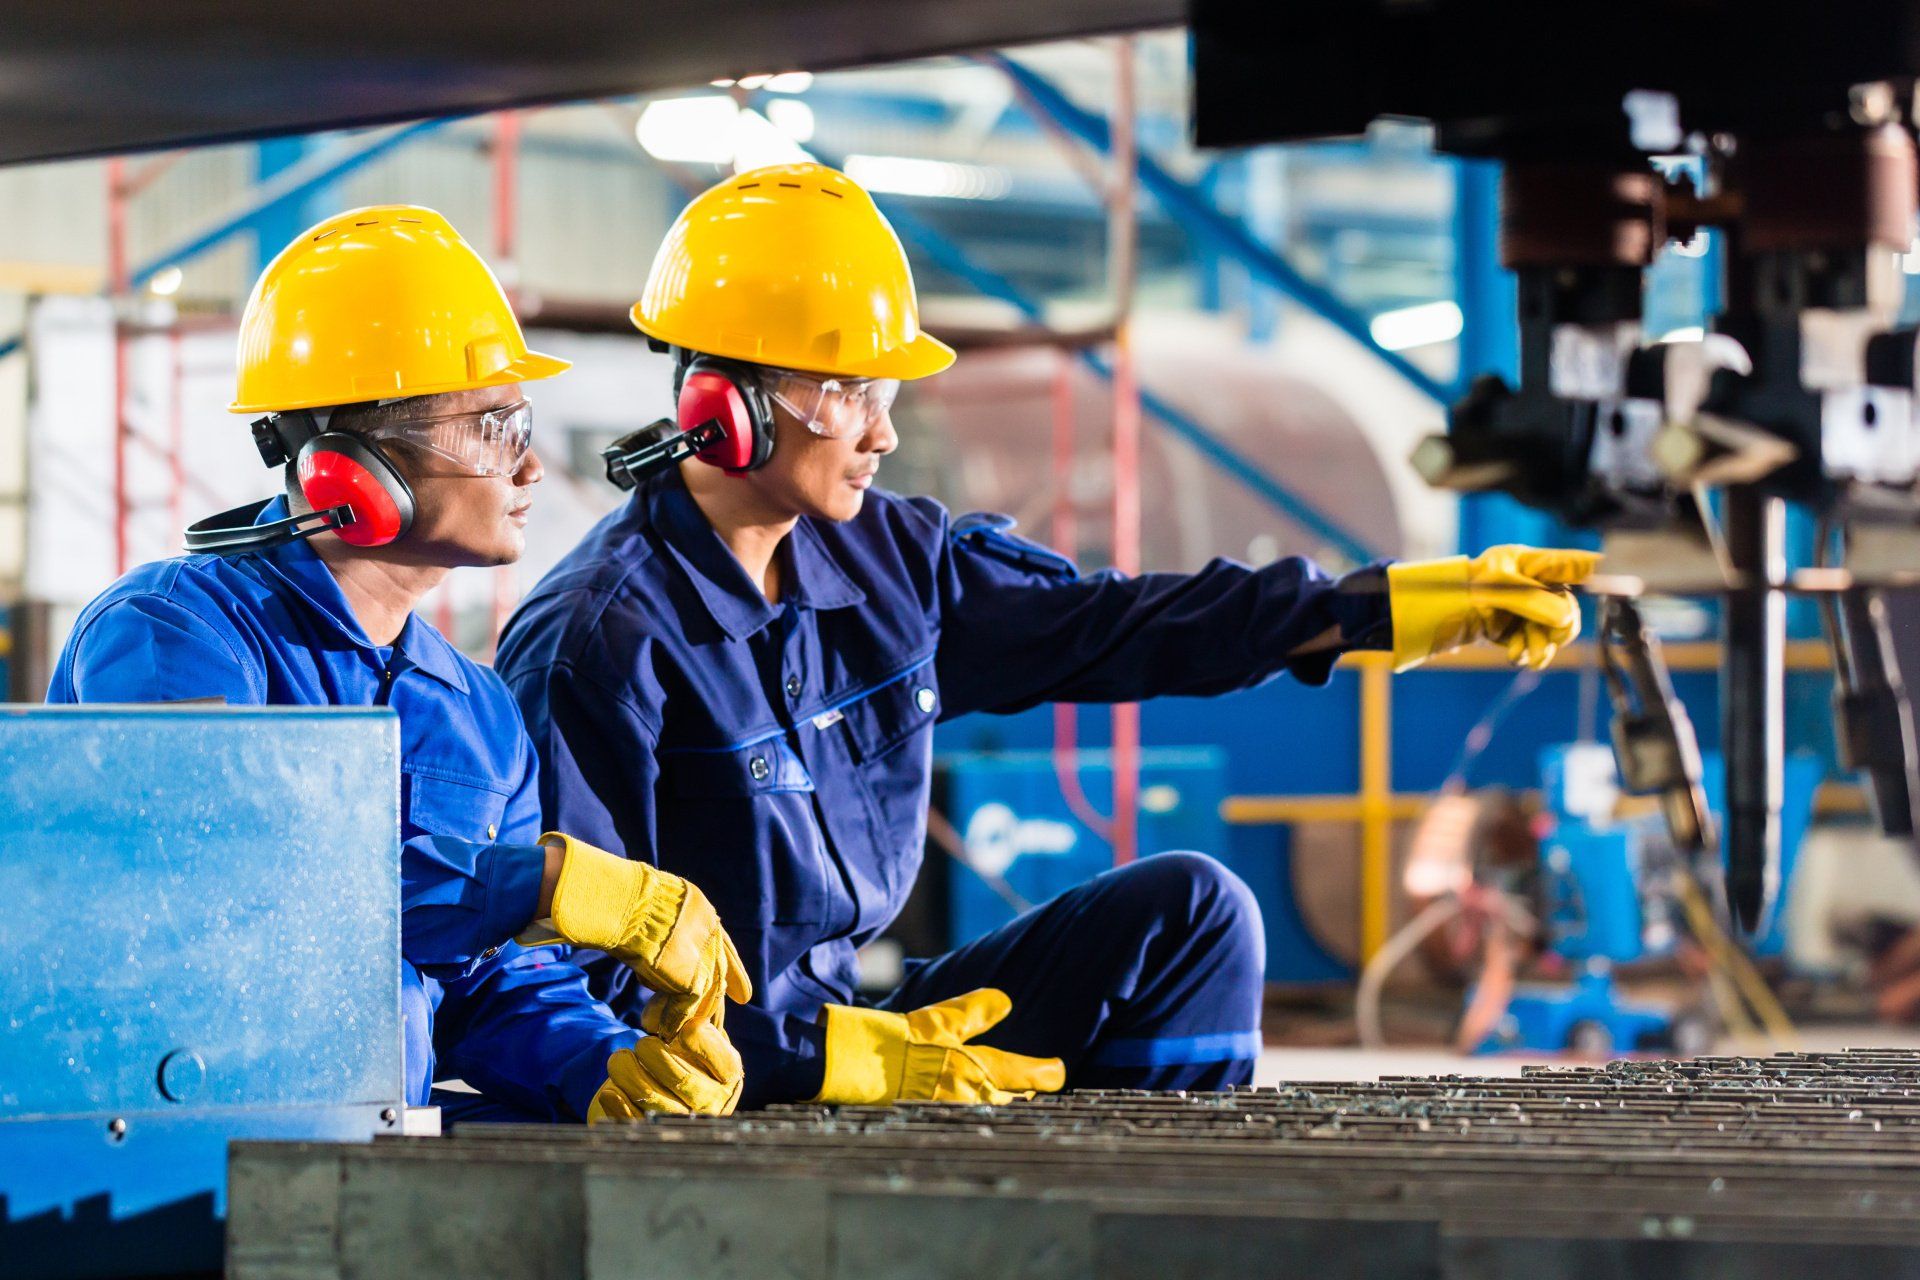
(688, 130)
(790, 82)
(910, 176)
(791, 117)
(165, 282)
(711, 129)
(1417, 326)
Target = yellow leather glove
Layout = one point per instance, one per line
(878, 1057)
(654, 921)
(681, 1077)
(1513, 596)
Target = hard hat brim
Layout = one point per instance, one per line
(922, 357)
(532, 367)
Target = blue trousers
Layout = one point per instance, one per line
(1146, 977)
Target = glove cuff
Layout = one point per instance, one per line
(611, 903)
(866, 1056)
(1427, 599)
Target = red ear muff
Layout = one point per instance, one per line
(340, 470)
(714, 391)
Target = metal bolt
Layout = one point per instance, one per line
(389, 1115)
(117, 1129)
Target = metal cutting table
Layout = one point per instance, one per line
(1793, 1165)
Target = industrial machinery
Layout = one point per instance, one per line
(202, 943)
(1788, 144)
(1782, 1167)
(1609, 891)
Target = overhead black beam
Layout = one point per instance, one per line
(108, 76)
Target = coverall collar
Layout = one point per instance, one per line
(815, 580)
(301, 568)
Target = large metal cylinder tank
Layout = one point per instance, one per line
(981, 437)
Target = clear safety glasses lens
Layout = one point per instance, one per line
(493, 443)
(837, 408)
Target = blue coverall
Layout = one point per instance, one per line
(779, 755)
(273, 628)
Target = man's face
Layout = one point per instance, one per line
(461, 518)
(811, 475)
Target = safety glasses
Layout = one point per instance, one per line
(837, 408)
(492, 443)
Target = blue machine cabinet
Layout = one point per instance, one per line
(201, 942)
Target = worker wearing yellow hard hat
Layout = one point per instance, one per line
(386, 373)
(736, 676)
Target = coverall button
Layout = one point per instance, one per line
(758, 768)
(493, 830)
(490, 953)
(923, 698)
(793, 686)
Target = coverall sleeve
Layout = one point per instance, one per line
(522, 1027)
(148, 648)
(460, 898)
(1020, 626)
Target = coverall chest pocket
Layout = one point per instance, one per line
(440, 806)
(740, 824)
(882, 721)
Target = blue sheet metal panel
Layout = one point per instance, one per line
(151, 1202)
(1016, 824)
(202, 943)
(220, 883)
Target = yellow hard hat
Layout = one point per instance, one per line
(378, 304)
(790, 265)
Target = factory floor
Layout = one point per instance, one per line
(1287, 1063)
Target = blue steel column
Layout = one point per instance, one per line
(276, 227)
(1489, 343)
(1268, 217)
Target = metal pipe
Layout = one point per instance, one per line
(1753, 699)
(1376, 803)
(1066, 715)
(117, 288)
(177, 436)
(506, 210)
(1123, 270)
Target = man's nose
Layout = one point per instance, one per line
(531, 469)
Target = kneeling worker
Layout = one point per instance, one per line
(385, 366)
(736, 677)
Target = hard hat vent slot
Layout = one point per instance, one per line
(794, 185)
(835, 194)
(747, 186)
(372, 223)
